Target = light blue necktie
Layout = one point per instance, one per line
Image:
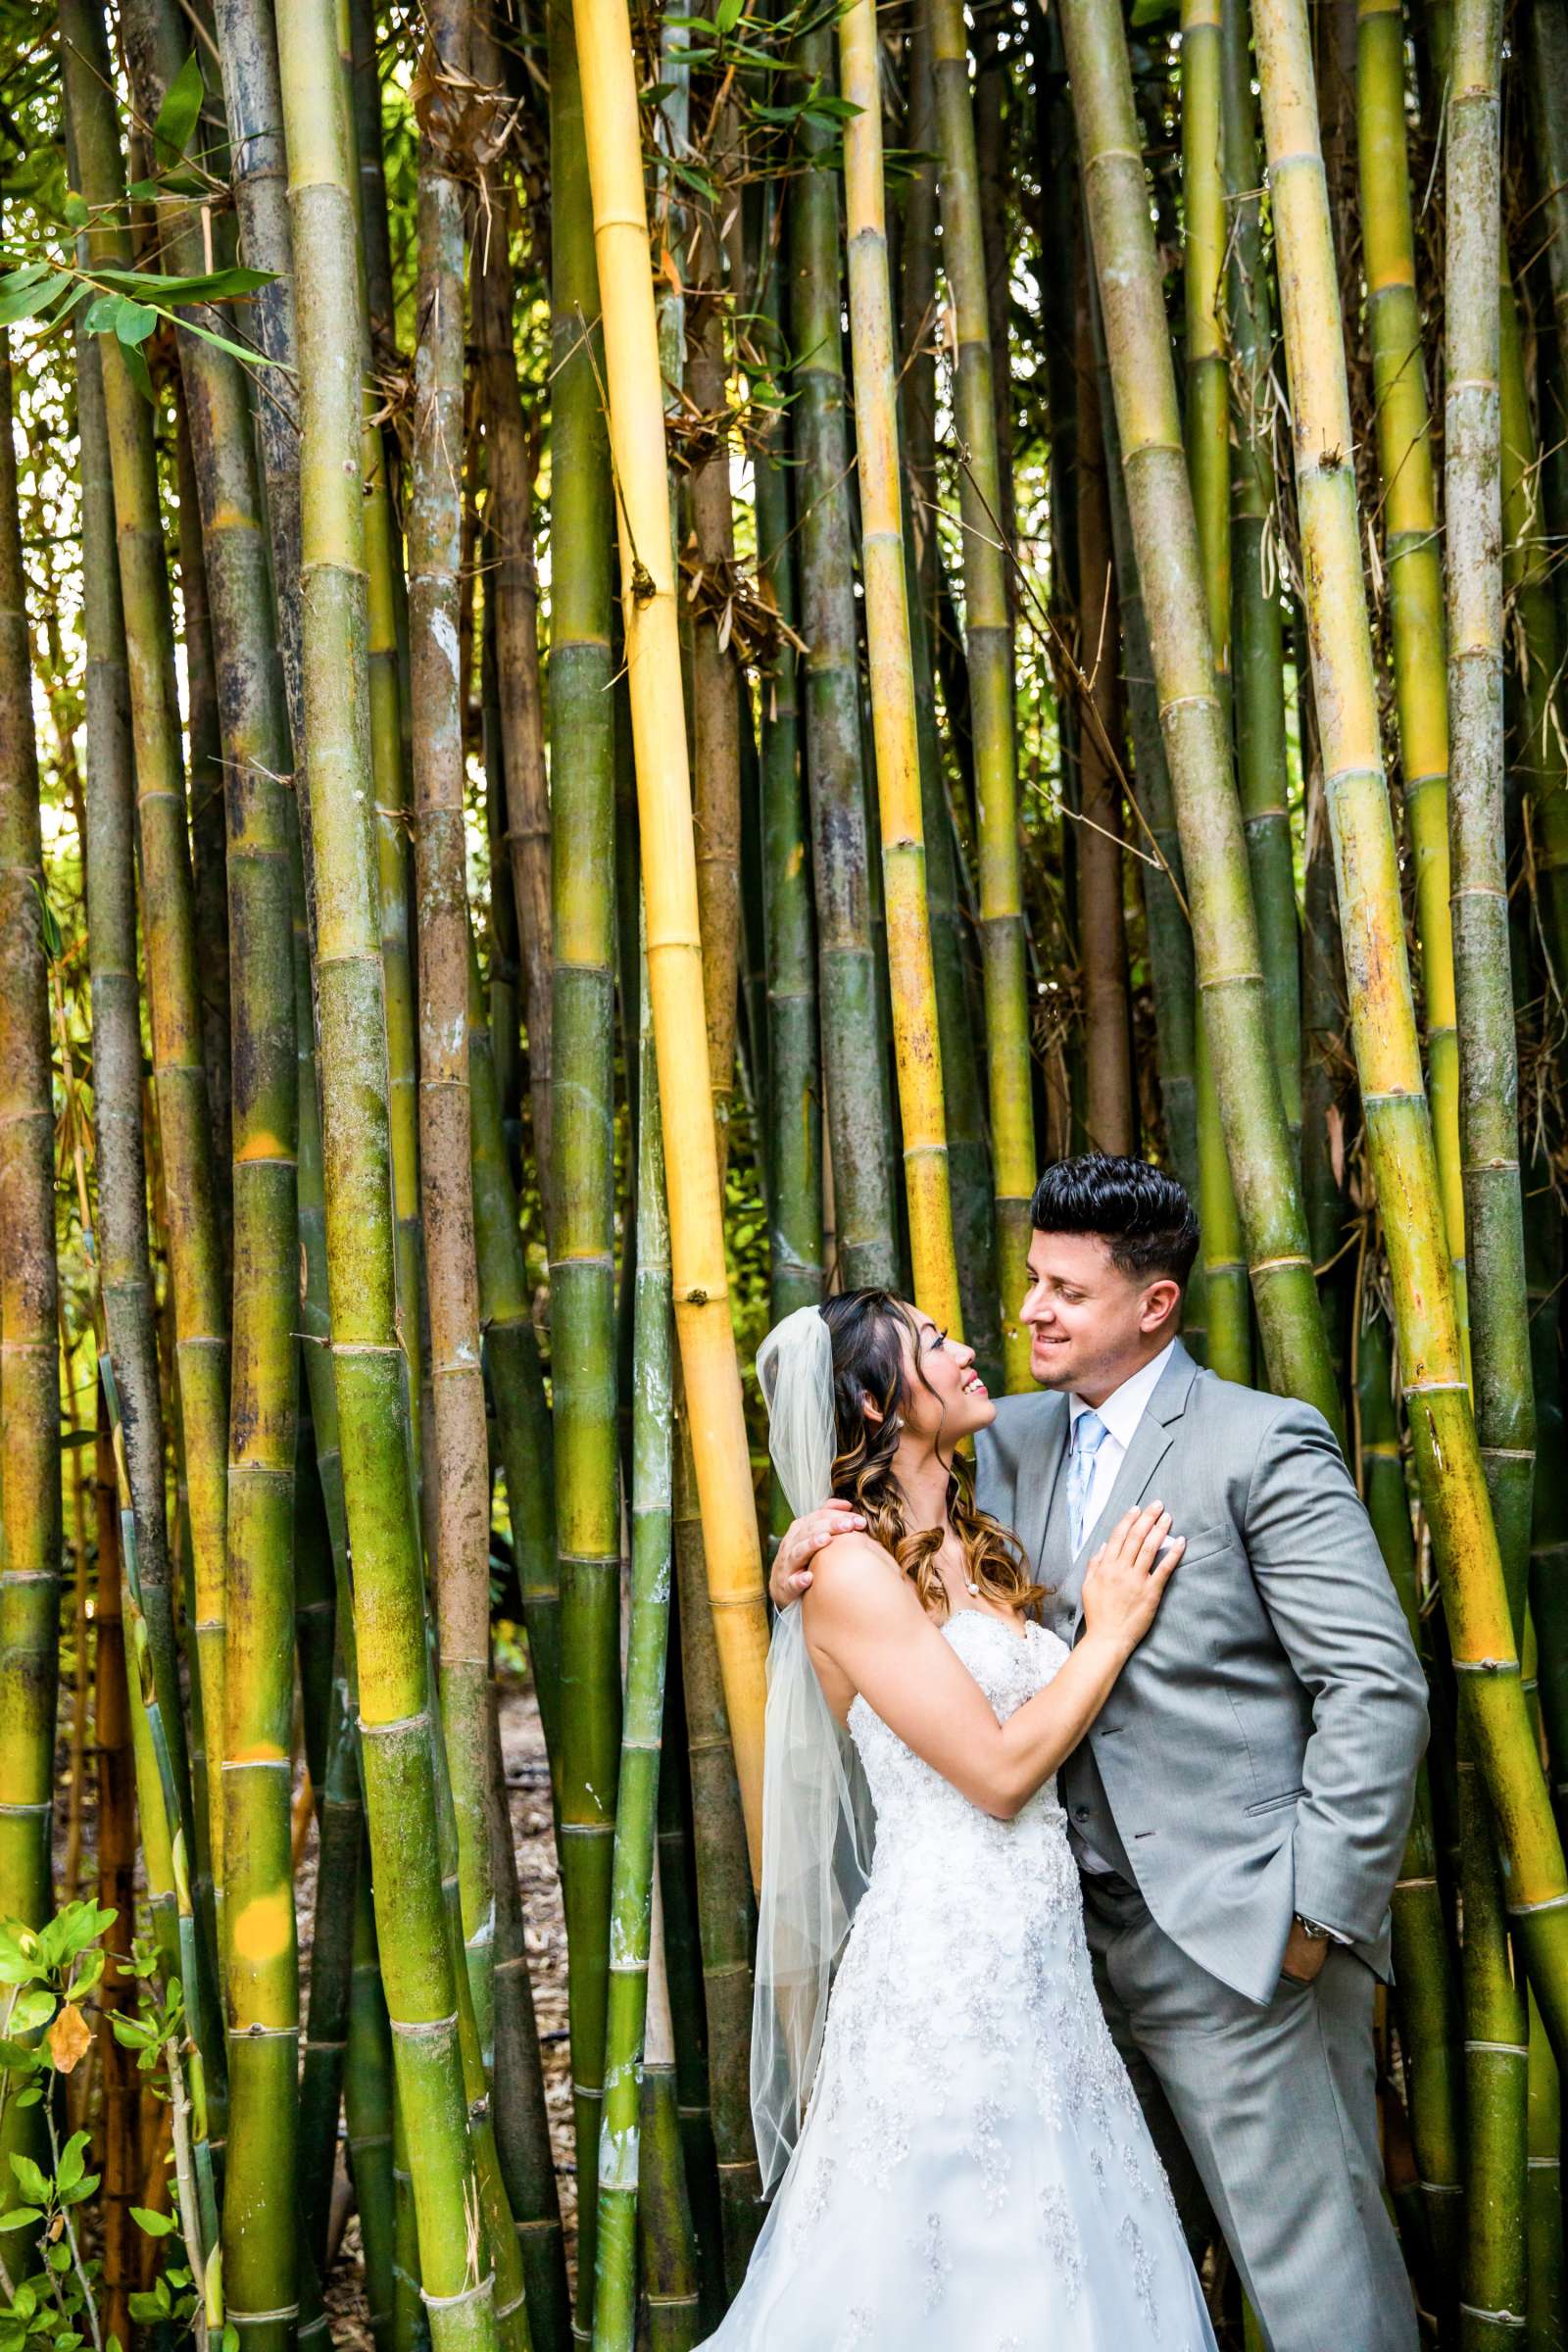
(1089, 1433)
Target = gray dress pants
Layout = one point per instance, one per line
(1276, 2113)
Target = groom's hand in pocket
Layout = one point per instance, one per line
(1305, 1955)
(799, 1545)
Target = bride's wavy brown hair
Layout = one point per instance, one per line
(867, 1329)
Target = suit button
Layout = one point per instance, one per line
(1081, 1812)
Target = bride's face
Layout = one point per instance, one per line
(946, 1397)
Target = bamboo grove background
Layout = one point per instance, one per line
(641, 661)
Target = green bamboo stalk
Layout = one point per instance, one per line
(258, 1953)
(1213, 846)
(121, 1233)
(522, 2125)
(1546, 2317)
(340, 1823)
(1527, 563)
(1548, 1543)
(665, 2229)
(988, 640)
(511, 602)
(391, 713)
(1166, 929)
(367, 2112)
(615, 2325)
(179, 1081)
(1489, 1069)
(1257, 620)
(369, 1367)
(682, 1982)
(1398, 1131)
(963, 1075)
(1426, 1992)
(795, 1083)
(204, 763)
(582, 1283)
(1107, 1105)
(916, 1038)
(1208, 466)
(460, 1508)
(511, 1359)
(29, 1361)
(724, 1898)
(1415, 559)
(851, 1041)
(1497, 2056)
(707, 531)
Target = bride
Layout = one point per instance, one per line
(972, 2173)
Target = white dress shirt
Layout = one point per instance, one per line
(1121, 1412)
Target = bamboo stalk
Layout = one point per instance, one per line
(1228, 1306)
(200, 1317)
(1166, 929)
(512, 1356)
(1108, 1110)
(851, 1042)
(29, 1345)
(724, 1907)
(915, 1035)
(1387, 1057)
(1213, 846)
(795, 1084)
(1488, 1070)
(637, 1801)
(1426, 1993)
(1414, 559)
(116, 1887)
(460, 1509)
(582, 1274)
(256, 1882)
(700, 1276)
(988, 640)
(522, 2125)
(511, 588)
(369, 1367)
(125, 1265)
(1537, 641)
(1257, 629)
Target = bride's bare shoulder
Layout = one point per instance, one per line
(853, 1576)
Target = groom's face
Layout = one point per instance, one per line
(1089, 1325)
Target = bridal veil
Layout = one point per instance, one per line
(817, 1817)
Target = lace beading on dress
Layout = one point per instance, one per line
(974, 2169)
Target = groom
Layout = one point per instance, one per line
(1239, 1808)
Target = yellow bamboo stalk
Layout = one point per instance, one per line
(700, 1276)
(917, 1045)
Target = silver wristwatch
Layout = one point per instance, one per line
(1318, 1932)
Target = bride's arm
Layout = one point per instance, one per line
(867, 1619)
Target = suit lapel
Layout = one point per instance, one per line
(1038, 1474)
(1152, 1442)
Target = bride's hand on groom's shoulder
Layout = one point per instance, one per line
(1127, 1576)
(799, 1545)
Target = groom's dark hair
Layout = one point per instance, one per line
(1143, 1216)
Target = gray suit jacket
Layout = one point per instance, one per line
(1258, 1753)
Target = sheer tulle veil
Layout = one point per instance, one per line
(817, 1818)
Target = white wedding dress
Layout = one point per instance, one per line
(974, 2173)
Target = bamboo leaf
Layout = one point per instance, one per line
(180, 110)
(214, 285)
(25, 292)
(156, 2225)
(18, 2217)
